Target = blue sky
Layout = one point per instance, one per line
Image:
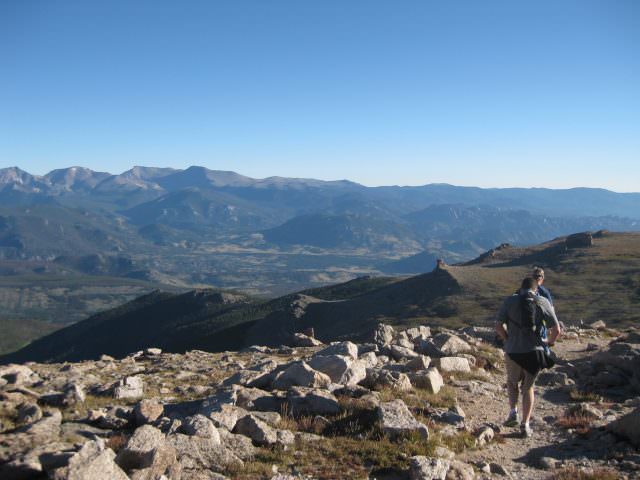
(491, 93)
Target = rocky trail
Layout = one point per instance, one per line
(412, 404)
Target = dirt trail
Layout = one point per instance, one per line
(519, 456)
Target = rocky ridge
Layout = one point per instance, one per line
(407, 404)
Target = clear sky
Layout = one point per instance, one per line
(486, 93)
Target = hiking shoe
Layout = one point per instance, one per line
(512, 420)
(526, 430)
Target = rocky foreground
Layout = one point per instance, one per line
(408, 405)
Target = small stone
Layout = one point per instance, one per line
(28, 413)
(396, 420)
(129, 387)
(147, 411)
(427, 468)
(421, 362)
(152, 352)
(453, 364)
(547, 463)
(200, 426)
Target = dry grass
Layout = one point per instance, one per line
(419, 398)
(579, 396)
(574, 473)
(581, 424)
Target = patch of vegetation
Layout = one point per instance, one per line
(580, 396)
(419, 398)
(581, 424)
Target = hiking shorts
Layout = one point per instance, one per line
(517, 374)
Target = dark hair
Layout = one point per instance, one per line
(529, 283)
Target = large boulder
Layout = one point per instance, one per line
(453, 364)
(348, 349)
(418, 333)
(398, 352)
(305, 401)
(395, 420)
(421, 362)
(628, 427)
(18, 375)
(257, 430)
(128, 387)
(94, 461)
(200, 426)
(299, 374)
(302, 340)
(341, 369)
(197, 453)
(383, 335)
(450, 344)
(379, 379)
(138, 451)
(430, 380)
(427, 468)
(147, 411)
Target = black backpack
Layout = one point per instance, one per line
(529, 309)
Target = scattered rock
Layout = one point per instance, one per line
(383, 335)
(94, 461)
(427, 468)
(257, 430)
(450, 345)
(147, 411)
(484, 436)
(129, 387)
(421, 362)
(340, 369)
(453, 364)
(137, 452)
(396, 420)
(401, 353)
(302, 375)
(312, 402)
(628, 427)
(460, 471)
(378, 379)
(430, 380)
(200, 426)
(302, 340)
(28, 413)
(347, 349)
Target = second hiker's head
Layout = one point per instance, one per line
(529, 283)
(538, 275)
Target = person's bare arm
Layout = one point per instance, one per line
(554, 333)
(502, 333)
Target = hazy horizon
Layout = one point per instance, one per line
(495, 95)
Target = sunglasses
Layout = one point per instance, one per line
(538, 276)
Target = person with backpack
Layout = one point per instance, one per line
(526, 352)
(538, 274)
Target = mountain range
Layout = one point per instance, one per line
(153, 227)
(454, 296)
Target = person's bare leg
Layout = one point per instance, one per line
(527, 404)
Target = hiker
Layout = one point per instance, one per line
(525, 355)
(538, 274)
